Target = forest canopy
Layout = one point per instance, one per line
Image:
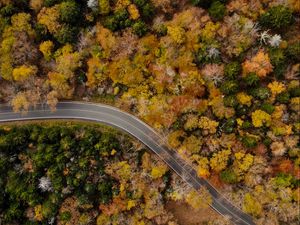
(80, 173)
(219, 79)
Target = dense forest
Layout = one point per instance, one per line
(218, 78)
(83, 174)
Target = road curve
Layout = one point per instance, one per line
(112, 116)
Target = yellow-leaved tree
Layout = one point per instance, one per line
(46, 48)
(20, 102)
(133, 11)
(153, 204)
(96, 71)
(177, 34)
(219, 160)
(260, 118)
(59, 82)
(20, 23)
(158, 171)
(6, 67)
(119, 170)
(67, 62)
(52, 100)
(125, 72)
(103, 219)
(199, 199)
(50, 18)
(203, 167)
(242, 163)
(23, 72)
(192, 144)
(252, 205)
(38, 213)
(36, 5)
(106, 39)
(104, 7)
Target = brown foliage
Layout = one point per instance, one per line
(260, 150)
(285, 166)
(24, 50)
(178, 103)
(70, 204)
(216, 181)
(52, 100)
(36, 5)
(118, 205)
(20, 102)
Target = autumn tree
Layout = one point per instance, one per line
(67, 62)
(50, 18)
(242, 164)
(59, 82)
(252, 205)
(16, 45)
(120, 170)
(219, 160)
(192, 144)
(6, 58)
(52, 100)
(177, 34)
(158, 171)
(259, 64)
(46, 48)
(36, 5)
(22, 73)
(174, 138)
(96, 71)
(106, 39)
(199, 199)
(125, 72)
(203, 169)
(24, 49)
(104, 7)
(153, 206)
(20, 102)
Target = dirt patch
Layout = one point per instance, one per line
(186, 215)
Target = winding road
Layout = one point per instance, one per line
(112, 116)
